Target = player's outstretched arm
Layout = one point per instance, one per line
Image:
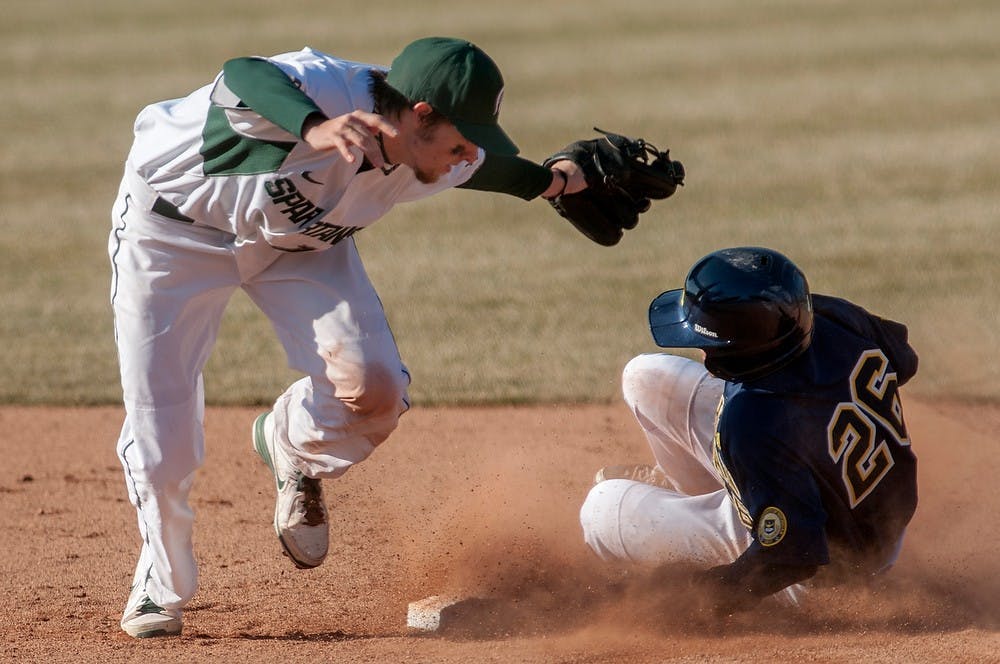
(742, 584)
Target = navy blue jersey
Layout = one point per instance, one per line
(816, 455)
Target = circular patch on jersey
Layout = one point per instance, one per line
(771, 526)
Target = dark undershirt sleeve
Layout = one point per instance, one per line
(510, 175)
(747, 580)
(266, 89)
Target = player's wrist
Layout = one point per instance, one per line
(311, 121)
(558, 186)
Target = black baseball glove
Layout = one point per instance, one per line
(623, 175)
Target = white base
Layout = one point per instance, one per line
(425, 614)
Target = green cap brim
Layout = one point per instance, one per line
(490, 137)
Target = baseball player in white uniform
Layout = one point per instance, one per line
(258, 181)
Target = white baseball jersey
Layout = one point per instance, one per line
(223, 165)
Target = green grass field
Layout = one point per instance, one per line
(860, 137)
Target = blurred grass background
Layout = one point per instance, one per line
(860, 137)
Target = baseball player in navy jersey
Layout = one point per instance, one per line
(785, 454)
(258, 181)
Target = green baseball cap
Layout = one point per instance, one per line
(461, 82)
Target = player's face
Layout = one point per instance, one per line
(437, 148)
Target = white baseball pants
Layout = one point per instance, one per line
(675, 402)
(170, 285)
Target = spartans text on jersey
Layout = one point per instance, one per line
(299, 209)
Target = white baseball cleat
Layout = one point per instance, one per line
(144, 619)
(299, 511)
(637, 473)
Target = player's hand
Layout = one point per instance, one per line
(357, 129)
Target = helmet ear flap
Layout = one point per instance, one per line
(756, 363)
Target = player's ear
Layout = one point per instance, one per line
(422, 110)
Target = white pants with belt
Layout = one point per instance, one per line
(170, 285)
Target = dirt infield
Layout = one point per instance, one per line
(482, 501)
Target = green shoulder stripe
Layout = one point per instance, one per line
(227, 153)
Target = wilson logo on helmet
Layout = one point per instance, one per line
(700, 329)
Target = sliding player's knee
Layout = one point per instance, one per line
(600, 519)
(648, 377)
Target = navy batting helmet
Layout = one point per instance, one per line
(748, 308)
